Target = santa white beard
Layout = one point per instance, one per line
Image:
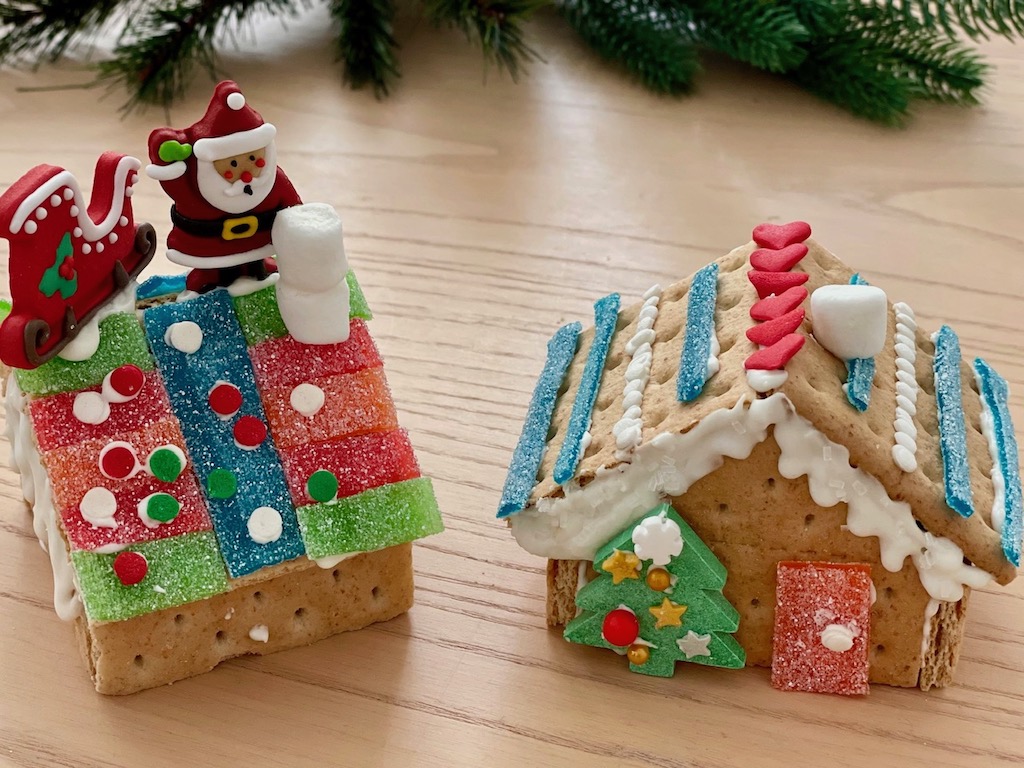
(237, 196)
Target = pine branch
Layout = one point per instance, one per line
(49, 27)
(976, 18)
(653, 42)
(765, 35)
(365, 43)
(496, 25)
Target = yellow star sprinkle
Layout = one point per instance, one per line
(622, 565)
(668, 614)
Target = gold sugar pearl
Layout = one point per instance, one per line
(659, 579)
(638, 654)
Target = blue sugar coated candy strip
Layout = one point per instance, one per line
(996, 394)
(860, 372)
(210, 440)
(700, 325)
(952, 427)
(606, 312)
(522, 470)
(160, 285)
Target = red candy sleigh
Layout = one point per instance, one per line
(67, 260)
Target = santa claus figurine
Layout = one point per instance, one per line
(222, 175)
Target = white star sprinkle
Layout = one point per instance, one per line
(694, 644)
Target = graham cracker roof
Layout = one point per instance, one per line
(814, 385)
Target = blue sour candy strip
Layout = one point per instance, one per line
(606, 313)
(860, 371)
(700, 325)
(160, 285)
(210, 440)
(952, 427)
(995, 394)
(522, 470)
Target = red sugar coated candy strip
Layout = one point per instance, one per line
(768, 283)
(620, 627)
(782, 260)
(127, 380)
(776, 356)
(225, 399)
(286, 362)
(780, 235)
(822, 627)
(772, 331)
(130, 568)
(249, 432)
(776, 306)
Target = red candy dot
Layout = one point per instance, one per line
(67, 269)
(620, 627)
(225, 399)
(130, 568)
(228, 175)
(127, 380)
(250, 432)
(118, 461)
(246, 177)
(260, 163)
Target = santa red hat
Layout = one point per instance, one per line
(229, 127)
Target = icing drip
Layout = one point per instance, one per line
(38, 493)
(766, 381)
(576, 525)
(929, 613)
(628, 430)
(904, 452)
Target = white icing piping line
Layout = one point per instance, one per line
(576, 525)
(929, 613)
(628, 430)
(38, 493)
(904, 452)
(988, 431)
(90, 230)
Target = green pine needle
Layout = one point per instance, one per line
(366, 45)
(654, 43)
(766, 35)
(976, 18)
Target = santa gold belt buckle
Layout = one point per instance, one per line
(240, 228)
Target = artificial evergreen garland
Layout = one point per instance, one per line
(872, 57)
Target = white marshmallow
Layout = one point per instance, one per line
(850, 321)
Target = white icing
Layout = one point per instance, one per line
(838, 637)
(312, 292)
(98, 507)
(657, 539)
(628, 430)
(307, 399)
(574, 526)
(904, 451)
(185, 336)
(84, 345)
(929, 613)
(988, 431)
(850, 321)
(264, 525)
(90, 408)
(693, 644)
(109, 549)
(260, 633)
(713, 365)
(333, 560)
(91, 230)
(243, 286)
(766, 381)
(38, 493)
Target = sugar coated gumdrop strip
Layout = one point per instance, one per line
(952, 424)
(286, 362)
(700, 329)
(130, 568)
(781, 235)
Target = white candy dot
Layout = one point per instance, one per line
(55, 200)
(236, 101)
(123, 221)
(73, 210)
(113, 237)
(90, 408)
(77, 232)
(30, 227)
(40, 213)
(307, 399)
(264, 525)
(68, 193)
(185, 336)
(98, 507)
(86, 248)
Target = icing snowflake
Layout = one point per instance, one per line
(658, 539)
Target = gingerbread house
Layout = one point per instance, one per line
(837, 496)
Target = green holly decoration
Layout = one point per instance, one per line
(679, 607)
(62, 275)
(172, 151)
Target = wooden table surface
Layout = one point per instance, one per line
(480, 216)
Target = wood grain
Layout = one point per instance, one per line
(479, 216)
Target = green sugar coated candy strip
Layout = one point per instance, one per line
(181, 569)
(374, 519)
(261, 320)
(221, 484)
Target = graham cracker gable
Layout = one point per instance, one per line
(814, 385)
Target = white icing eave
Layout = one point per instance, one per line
(576, 525)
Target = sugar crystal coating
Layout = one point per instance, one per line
(700, 327)
(285, 362)
(956, 467)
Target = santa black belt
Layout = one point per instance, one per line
(227, 228)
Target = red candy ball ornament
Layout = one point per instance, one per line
(620, 627)
(130, 568)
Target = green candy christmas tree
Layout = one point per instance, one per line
(658, 599)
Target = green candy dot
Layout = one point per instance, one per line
(322, 485)
(221, 484)
(166, 464)
(163, 507)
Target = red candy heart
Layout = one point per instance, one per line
(772, 331)
(782, 260)
(780, 235)
(768, 283)
(776, 306)
(776, 356)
